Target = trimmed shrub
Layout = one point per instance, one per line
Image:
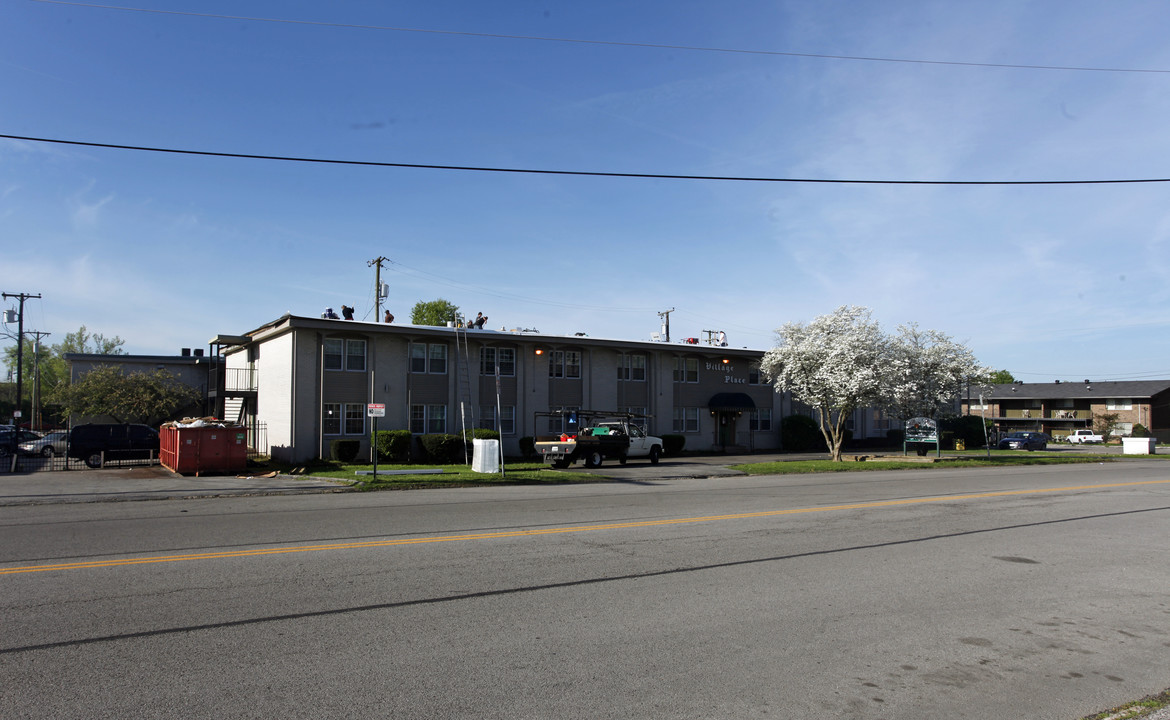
(481, 434)
(800, 433)
(442, 449)
(344, 450)
(673, 444)
(1140, 430)
(895, 437)
(393, 445)
(528, 447)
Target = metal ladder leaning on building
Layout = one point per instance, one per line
(463, 380)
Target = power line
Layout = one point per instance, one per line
(579, 173)
(614, 43)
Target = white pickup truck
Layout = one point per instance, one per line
(617, 438)
(1084, 436)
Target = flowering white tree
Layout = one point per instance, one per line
(841, 362)
(835, 364)
(925, 371)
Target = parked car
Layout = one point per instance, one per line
(117, 441)
(1084, 436)
(10, 440)
(1024, 441)
(55, 443)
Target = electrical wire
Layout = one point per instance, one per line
(613, 43)
(512, 296)
(578, 173)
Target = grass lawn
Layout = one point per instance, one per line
(959, 459)
(520, 473)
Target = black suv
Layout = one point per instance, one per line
(119, 441)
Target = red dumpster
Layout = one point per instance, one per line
(203, 448)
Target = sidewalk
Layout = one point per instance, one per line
(152, 482)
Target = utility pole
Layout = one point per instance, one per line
(665, 315)
(377, 263)
(35, 421)
(20, 347)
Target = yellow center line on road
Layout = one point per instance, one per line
(256, 552)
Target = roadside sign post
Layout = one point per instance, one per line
(375, 411)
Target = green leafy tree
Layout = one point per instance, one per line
(1105, 424)
(1000, 377)
(140, 397)
(47, 362)
(433, 312)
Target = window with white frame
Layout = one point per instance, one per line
(418, 357)
(686, 420)
(760, 420)
(1119, 404)
(491, 358)
(1124, 428)
(331, 418)
(343, 354)
(429, 419)
(437, 359)
(565, 364)
(334, 349)
(343, 419)
(686, 370)
(631, 367)
(640, 412)
(355, 419)
(428, 358)
(487, 418)
(355, 355)
(564, 422)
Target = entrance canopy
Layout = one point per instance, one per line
(731, 401)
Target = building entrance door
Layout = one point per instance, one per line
(726, 429)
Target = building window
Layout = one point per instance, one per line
(331, 418)
(566, 422)
(355, 355)
(487, 418)
(343, 418)
(631, 367)
(344, 354)
(686, 370)
(430, 419)
(333, 353)
(1125, 429)
(1119, 404)
(430, 358)
(418, 357)
(355, 419)
(760, 420)
(754, 375)
(491, 358)
(565, 364)
(437, 358)
(640, 418)
(686, 420)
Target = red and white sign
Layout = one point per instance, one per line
(376, 410)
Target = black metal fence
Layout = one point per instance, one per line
(57, 459)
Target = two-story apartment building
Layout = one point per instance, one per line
(1059, 408)
(309, 380)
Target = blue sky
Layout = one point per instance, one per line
(167, 250)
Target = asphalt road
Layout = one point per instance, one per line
(1030, 592)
